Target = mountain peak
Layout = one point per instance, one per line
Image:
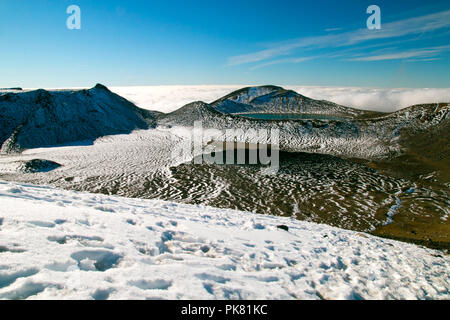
(274, 99)
(246, 94)
(101, 86)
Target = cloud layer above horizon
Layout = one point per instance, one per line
(170, 98)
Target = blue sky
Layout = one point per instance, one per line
(224, 42)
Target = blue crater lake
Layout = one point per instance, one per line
(290, 116)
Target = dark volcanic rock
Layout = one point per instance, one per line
(38, 165)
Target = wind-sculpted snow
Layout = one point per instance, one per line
(329, 137)
(363, 135)
(66, 245)
(312, 187)
(32, 119)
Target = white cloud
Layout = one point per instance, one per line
(333, 29)
(289, 60)
(170, 98)
(378, 99)
(423, 53)
(411, 26)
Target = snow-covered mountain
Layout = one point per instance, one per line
(38, 118)
(68, 245)
(273, 99)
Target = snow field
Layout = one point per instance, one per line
(67, 245)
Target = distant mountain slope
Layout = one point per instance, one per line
(360, 134)
(273, 99)
(190, 113)
(39, 118)
(423, 133)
